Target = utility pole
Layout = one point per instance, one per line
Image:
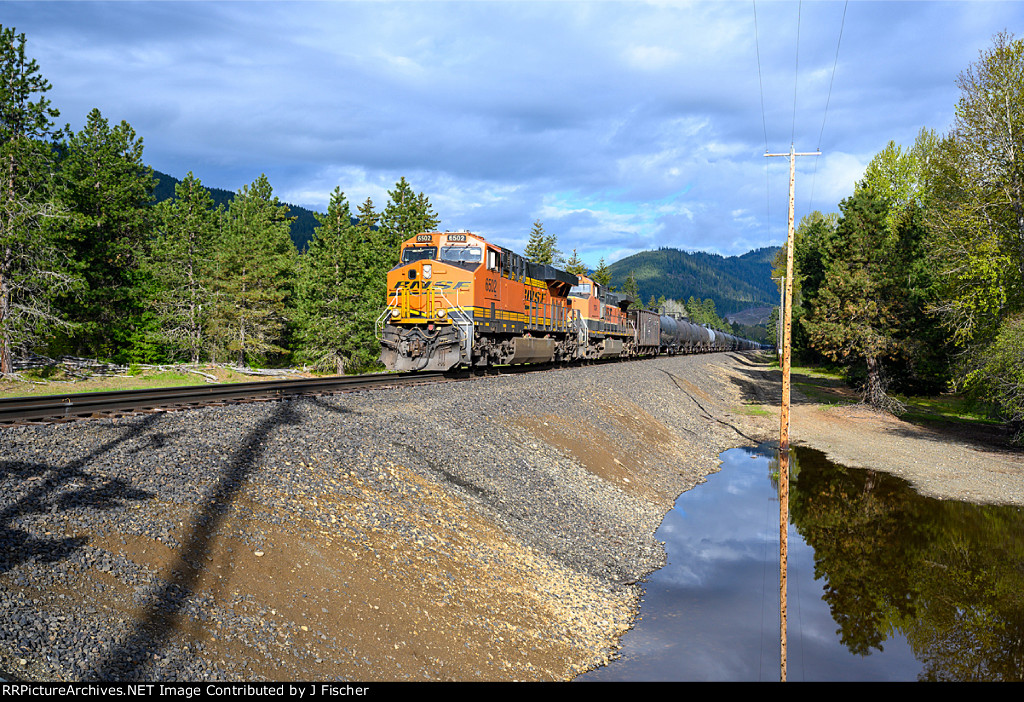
(784, 419)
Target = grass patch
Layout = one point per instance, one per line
(952, 409)
(50, 382)
(825, 386)
(756, 411)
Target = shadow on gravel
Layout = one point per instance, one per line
(324, 405)
(128, 661)
(696, 395)
(52, 488)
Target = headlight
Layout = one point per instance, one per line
(427, 269)
(441, 313)
(395, 313)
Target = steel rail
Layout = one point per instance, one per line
(84, 404)
(71, 406)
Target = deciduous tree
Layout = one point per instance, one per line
(977, 209)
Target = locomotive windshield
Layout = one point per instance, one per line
(582, 290)
(462, 254)
(418, 253)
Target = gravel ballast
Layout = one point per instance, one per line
(493, 529)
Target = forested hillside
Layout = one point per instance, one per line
(302, 225)
(735, 283)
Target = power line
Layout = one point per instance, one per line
(835, 63)
(764, 120)
(828, 100)
(760, 81)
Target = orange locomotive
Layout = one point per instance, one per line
(609, 331)
(455, 299)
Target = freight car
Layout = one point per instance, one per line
(455, 299)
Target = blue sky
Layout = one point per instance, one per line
(622, 126)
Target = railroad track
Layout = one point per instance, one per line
(66, 407)
(83, 405)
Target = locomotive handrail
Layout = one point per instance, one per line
(465, 325)
(379, 325)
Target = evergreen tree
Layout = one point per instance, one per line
(601, 275)
(379, 261)
(33, 270)
(254, 276)
(631, 287)
(108, 189)
(575, 265)
(542, 248)
(338, 301)
(405, 215)
(179, 265)
(856, 312)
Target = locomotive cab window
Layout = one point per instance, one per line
(472, 255)
(418, 253)
(582, 290)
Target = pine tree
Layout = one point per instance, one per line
(338, 301)
(631, 287)
(856, 313)
(542, 248)
(405, 215)
(254, 276)
(33, 270)
(602, 275)
(108, 189)
(379, 260)
(179, 265)
(575, 265)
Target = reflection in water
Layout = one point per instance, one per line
(884, 584)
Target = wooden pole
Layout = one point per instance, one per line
(784, 415)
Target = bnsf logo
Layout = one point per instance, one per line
(430, 285)
(534, 295)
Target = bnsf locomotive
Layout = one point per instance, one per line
(456, 300)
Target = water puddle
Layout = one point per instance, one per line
(883, 583)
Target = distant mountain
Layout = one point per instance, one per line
(751, 316)
(302, 228)
(735, 283)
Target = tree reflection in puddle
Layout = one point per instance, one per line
(884, 584)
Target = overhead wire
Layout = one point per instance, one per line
(828, 100)
(764, 119)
